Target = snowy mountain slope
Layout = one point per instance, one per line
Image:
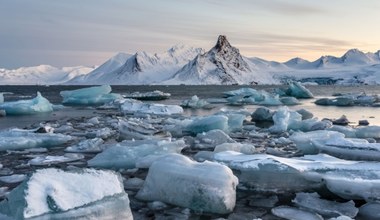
(43, 74)
(110, 65)
(143, 68)
(223, 64)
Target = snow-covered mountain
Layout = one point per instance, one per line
(43, 74)
(223, 64)
(143, 68)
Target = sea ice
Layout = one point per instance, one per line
(238, 147)
(210, 139)
(195, 102)
(56, 194)
(205, 187)
(297, 90)
(242, 92)
(49, 160)
(370, 211)
(153, 96)
(348, 148)
(15, 178)
(96, 95)
(125, 154)
(303, 140)
(87, 146)
(17, 139)
(289, 101)
(347, 131)
(292, 213)
(138, 129)
(26, 107)
(326, 208)
(131, 106)
(368, 132)
(207, 123)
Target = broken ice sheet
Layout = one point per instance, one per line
(326, 208)
(15, 178)
(57, 194)
(87, 146)
(292, 213)
(48, 160)
(124, 155)
(17, 139)
(131, 106)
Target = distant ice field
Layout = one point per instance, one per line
(181, 92)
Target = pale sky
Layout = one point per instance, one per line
(88, 32)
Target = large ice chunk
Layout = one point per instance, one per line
(26, 107)
(56, 194)
(303, 140)
(326, 208)
(368, 132)
(17, 139)
(94, 145)
(125, 154)
(292, 213)
(297, 90)
(242, 92)
(349, 148)
(205, 187)
(212, 138)
(96, 95)
(153, 96)
(208, 123)
(195, 102)
(131, 106)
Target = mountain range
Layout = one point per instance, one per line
(223, 64)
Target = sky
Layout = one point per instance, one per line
(88, 32)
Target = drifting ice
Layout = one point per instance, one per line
(56, 194)
(97, 95)
(131, 106)
(27, 107)
(205, 187)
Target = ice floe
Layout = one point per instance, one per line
(124, 155)
(17, 139)
(39, 104)
(131, 106)
(153, 96)
(56, 194)
(96, 95)
(205, 187)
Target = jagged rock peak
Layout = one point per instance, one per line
(222, 43)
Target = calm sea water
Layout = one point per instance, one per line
(180, 93)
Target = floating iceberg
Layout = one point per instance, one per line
(57, 194)
(26, 107)
(97, 95)
(245, 92)
(195, 102)
(326, 208)
(296, 89)
(124, 155)
(131, 106)
(204, 187)
(238, 147)
(153, 96)
(16, 139)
